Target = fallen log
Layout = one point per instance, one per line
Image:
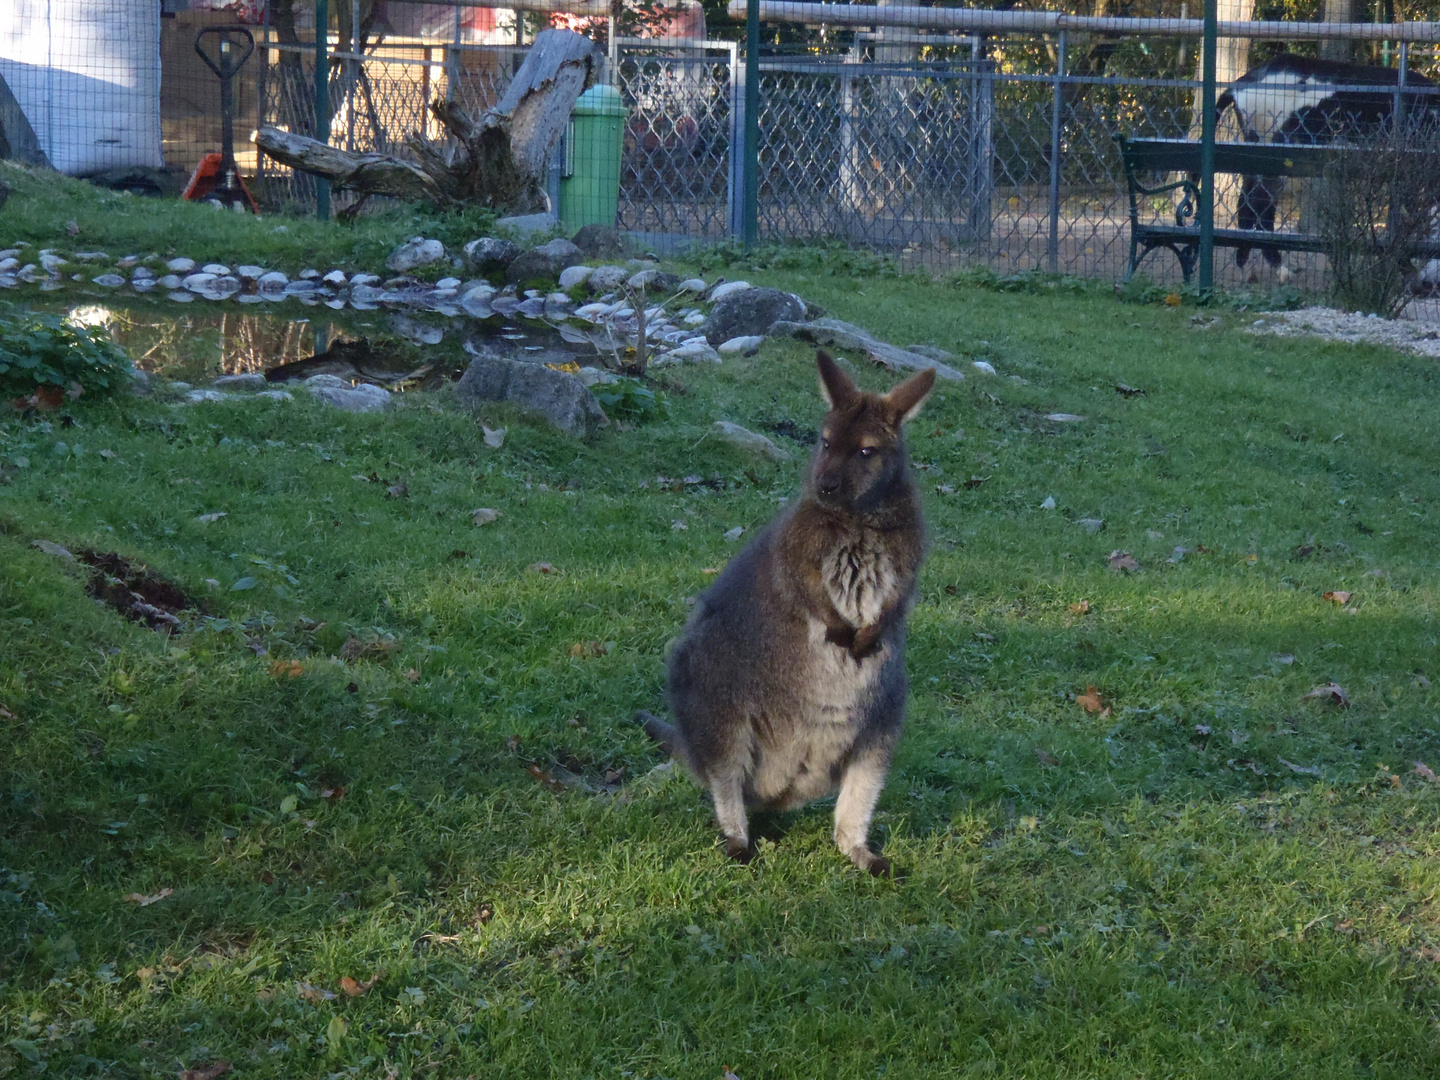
(497, 161)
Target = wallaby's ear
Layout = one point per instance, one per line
(905, 400)
(835, 386)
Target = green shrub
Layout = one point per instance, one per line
(630, 399)
(45, 350)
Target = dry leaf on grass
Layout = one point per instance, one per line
(1307, 770)
(512, 743)
(1122, 561)
(543, 777)
(1082, 608)
(290, 669)
(333, 794)
(1425, 772)
(314, 994)
(542, 567)
(206, 1072)
(944, 489)
(1332, 692)
(6, 714)
(1046, 758)
(398, 491)
(210, 519)
(1091, 701)
(591, 648)
(1172, 300)
(484, 516)
(1128, 391)
(355, 649)
(141, 900)
(354, 988)
(494, 437)
(1337, 596)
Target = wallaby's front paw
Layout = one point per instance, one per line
(843, 636)
(739, 851)
(866, 642)
(881, 867)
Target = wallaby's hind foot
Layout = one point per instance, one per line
(665, 735)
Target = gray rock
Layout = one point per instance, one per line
(180, 297)
(206, 395)
(749, 440)
(593, 376)
(693, 285)
(274, 281)
(276, 395)
(747, 312)
(181, 265)
(655, 281)
(599, 240)
(225, 287)
(940, 356)
(251, 380)
(575, 275)
(528, 227)
(110, 281)
(140, 383)
(170, 281)
(249, 273)
(304, 286)
(218, 269)
(722, 289)
(90, 256)
(309, 274)
(490, 255)
(336, 277)
(364, 279)
(843, 335)
(606, 279)
(417, 251)
(546, 261)
(561, 399)
(198, 282)
(331, 382)
(741, 344)
(695, 350)
(360, 399)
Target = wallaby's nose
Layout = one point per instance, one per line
(828, 485)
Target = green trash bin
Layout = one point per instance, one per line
(590, 182)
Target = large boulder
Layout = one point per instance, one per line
(560, 398)
(599, 240)
(604, 279)
(490, 255)
(545, 261)
(749, 312)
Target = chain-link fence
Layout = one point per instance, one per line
(944, 151)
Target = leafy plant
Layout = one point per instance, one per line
(630, 399)
(39, 351)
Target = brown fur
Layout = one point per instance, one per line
(789, 680)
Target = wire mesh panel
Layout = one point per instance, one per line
(882, 155)
(676, 167)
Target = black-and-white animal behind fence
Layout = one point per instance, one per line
(1302, 99)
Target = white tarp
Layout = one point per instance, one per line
(87, 76)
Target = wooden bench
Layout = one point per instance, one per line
(1142, 156)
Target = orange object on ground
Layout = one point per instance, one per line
(207, 175)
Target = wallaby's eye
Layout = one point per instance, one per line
(867, 451)
(825, 444)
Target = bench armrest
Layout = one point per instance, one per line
(1185, 210)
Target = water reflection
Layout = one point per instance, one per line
(198, 346)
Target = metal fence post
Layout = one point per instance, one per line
(1055, 109)
(1399, 109)
(750, 198)
(322, 99)
(735, 171)
(1207, 152)
(982, 149)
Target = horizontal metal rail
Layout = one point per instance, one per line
(1007, 22)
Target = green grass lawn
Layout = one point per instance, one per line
(1213, 877)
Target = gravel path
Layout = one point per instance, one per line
(1420, 334)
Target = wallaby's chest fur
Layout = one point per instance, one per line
(859, 574)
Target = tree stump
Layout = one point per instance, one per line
(497, 161)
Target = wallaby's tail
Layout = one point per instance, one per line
(664, 734)
(1223, 102)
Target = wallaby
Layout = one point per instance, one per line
(789, 679)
